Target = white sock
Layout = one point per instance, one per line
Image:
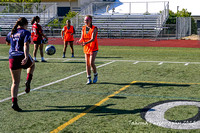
(34, 58)
(95, 74)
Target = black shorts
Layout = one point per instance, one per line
(15, 62)
(37, 42)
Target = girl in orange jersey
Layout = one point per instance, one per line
(89, 42)
(68, 30)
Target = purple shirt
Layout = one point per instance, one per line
(17, 42)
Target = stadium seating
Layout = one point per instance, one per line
(8, 20)
(123, 23)
(118, 26)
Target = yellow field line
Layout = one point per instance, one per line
(161, 82)
(88, 110)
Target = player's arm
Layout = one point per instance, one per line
(27, 41)
(93, 37)
(43, 35)
(81, 39)
(7, 43)
(62, 31)
(26, 52)
(74, 32)
(8, 39)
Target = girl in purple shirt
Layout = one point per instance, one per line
(19, 39)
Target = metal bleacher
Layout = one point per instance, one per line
(8, 19)
(126, 25)
(123, 25)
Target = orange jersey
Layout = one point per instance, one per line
(68, 32)
(90, 47)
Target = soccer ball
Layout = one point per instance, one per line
(50, 50)
(44, 41)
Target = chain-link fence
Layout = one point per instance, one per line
(26, 8)
(183, 27)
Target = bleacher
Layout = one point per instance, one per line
(126, 25)
(8, 20)
(123, 23)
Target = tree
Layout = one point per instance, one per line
(18, 6)
(182, 13)
(59, 24)
(68, 16)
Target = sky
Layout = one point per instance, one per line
(192, 6)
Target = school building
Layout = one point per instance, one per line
(63, 6)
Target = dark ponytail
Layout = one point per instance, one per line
(20, 22)
(36, 18)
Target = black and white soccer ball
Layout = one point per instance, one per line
(50, 50)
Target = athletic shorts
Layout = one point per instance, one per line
(69, 41)
(37, 42)
(95, 51)
(15, 62)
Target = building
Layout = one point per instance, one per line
(197, 20)
(64, 6)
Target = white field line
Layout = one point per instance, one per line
(186, 64)
(66, 60)
(134, 61)
(56, 81)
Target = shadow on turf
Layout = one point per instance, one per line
(149, 85)
(97, 109)
(77, 62)
(108, 57)
(4, 59)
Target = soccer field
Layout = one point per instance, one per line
(140, 89)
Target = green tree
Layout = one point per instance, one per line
(68, 16)
(59, 24)
(18, 6)
(182, 13)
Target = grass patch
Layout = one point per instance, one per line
(51, 106)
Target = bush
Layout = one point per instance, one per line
(182, 13)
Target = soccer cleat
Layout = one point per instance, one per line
(43, 61)
(28, 88)
(63, 56)
(16, 107)
(72, 55)
(95, 79)
(89, 81)
(36, 60)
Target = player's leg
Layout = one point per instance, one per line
(94, 69)
(88, 66)
(64, 48)
(35, 52)
(72, 48)
(42, 53)
(30, 70)
(15, 74)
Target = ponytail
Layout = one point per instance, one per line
(34, 19)
(20, 22)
